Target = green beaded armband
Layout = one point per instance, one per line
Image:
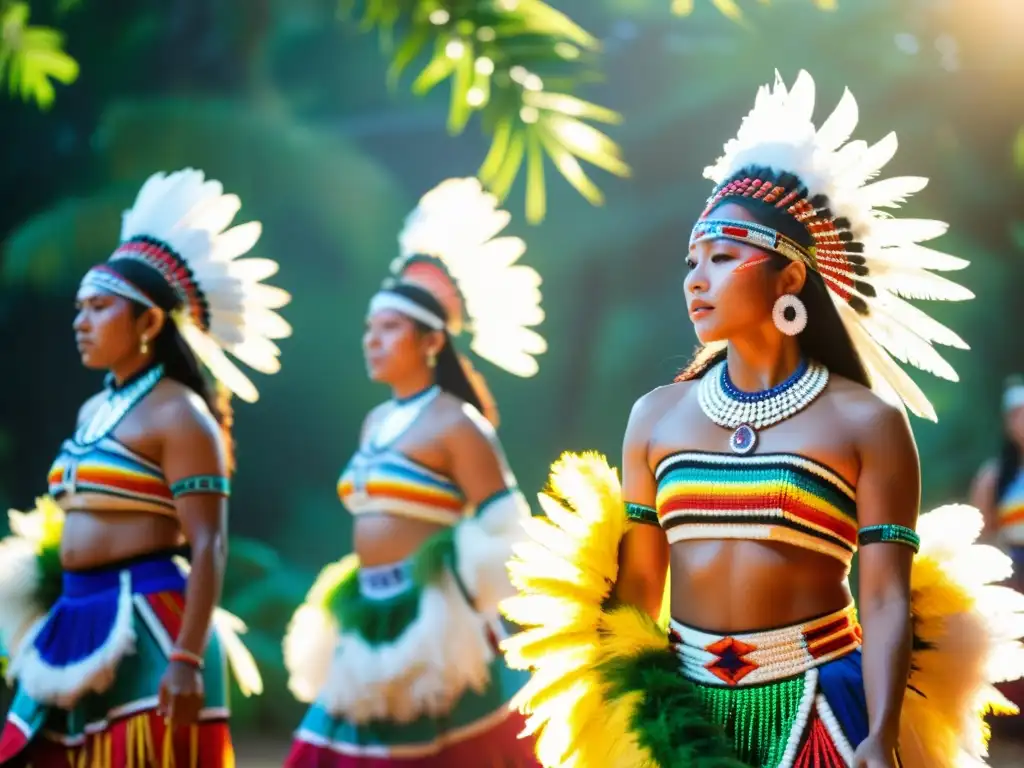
(641, 514)
(201, 484)
(889, 533)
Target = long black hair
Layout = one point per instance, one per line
(449, 372)
(1009, 467)
(1009, 453)
(169, 348)
(825, 339)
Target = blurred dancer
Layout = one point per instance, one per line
(396, 645)
(117, 649)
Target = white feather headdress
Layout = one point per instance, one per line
(179, 225)
(450, 247)
(869, 260)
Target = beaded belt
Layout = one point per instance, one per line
(754, 658)
(381, 582)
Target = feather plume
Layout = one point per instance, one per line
(192, 215)
(779, 133)
(458, 223)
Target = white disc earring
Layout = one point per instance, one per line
(789, 314)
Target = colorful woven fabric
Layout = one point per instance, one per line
(119, 641)
(778, 497)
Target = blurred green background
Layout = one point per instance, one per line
(288, 105)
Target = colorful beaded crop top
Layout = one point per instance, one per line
(108, 476)
(382, 480)
(95, 471)
(388, 482)
(774, 497)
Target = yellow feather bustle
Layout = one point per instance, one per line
(564, 575)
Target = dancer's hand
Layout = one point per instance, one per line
(872, 753)
(181, 693)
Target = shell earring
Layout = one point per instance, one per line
(789, 314)
(431, 359)
(144, 345)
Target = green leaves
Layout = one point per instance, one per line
(516, 63)
(731, 8)
(31, 58)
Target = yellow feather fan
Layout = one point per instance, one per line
(564, 576)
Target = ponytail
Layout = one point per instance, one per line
(181, 365)
(455, 375)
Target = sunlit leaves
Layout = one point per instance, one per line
(515, 63)
(31, 58)
(731, 9)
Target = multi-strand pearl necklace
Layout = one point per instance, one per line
(748, 412)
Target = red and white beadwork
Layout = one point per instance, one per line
(756, 658)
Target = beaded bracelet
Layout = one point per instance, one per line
(201, 484)
(641, 513)
(889, 533)
(187, 657)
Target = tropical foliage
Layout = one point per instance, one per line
(31, 57)
(517, 63)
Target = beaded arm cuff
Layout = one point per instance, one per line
(889, 533)
(201, 484)
(641, 513)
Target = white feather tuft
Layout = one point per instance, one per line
(192, 215)
(458, 222)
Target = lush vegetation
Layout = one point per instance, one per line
(291, 108)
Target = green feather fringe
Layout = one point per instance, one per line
(672, 721)
(383, 621)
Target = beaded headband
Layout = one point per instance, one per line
(163, 259)
(1013, 395)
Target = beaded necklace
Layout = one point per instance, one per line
(747, 412)
(118, 402)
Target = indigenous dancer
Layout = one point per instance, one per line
(753, 480)
(998, 491)
(111, 643)
(396, 645)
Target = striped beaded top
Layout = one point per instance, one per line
(388, 482)
(776, 497)
(105, 475)
(1011, 512)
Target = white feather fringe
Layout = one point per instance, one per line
(442, 654)
(64, 686)
(977, 648)
(19, 585)
(483, 547)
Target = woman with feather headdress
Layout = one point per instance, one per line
(998, 491)
(108, 589)
(751, 482)
(396, 646)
